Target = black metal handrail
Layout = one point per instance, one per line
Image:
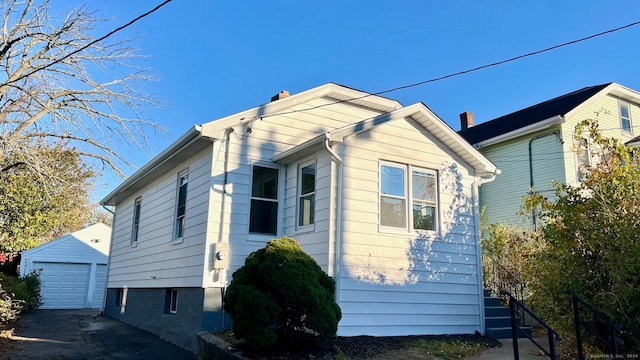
(552, 335)
(613, 330)
(501, 279)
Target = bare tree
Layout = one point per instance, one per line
(57, 84)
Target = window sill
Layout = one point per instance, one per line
(177, 241)
(261, 238)
(399, 231)
(306, 229)
(134, 245)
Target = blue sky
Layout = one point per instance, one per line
(215, 58)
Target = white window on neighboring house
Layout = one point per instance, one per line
(263, 217)
(583, 158)
(181, 205)
(137, 204)
(306, 194)
(408, 197)
(625, 117)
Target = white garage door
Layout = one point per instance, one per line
(64, 285)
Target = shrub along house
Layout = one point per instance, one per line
(537, 145)
(383, 197)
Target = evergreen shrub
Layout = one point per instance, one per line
(279, 293)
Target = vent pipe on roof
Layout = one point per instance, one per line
(281, 95)
(466, 120)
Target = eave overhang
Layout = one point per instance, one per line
(189, 144)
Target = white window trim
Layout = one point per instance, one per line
(173, 301)
(174, 238)
(281, 189)
(408, 184)
(628, 106)
(135, 228)
(311, 227)
(579, 148)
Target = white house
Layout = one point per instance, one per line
(537, 145)
(383, 197)
(72, 268)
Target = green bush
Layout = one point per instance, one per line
(25, 289)
(9, 308)
(281, 292)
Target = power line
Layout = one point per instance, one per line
(419, 83)
(87, 45)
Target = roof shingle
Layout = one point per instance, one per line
(560, 105)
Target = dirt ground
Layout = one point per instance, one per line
(365, 347)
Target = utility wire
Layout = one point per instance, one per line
(86, 45)
(537, 52)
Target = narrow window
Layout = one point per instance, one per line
(263, 218)
(424, 193)
(119, 297)
(583, 158)
(625, 117)
(171, 301)
(393, 196)
(183, 179)
(173, 307)
(136, 220)
(307, 196)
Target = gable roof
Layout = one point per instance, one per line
(550, 109)
(420, 113)
(97, 236)
(201, 136)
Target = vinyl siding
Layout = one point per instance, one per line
(606, 111)
(267, 138)
(502, 198)
(400, 283)
(156, 260)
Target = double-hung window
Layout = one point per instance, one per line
(625, 116)
(408, 197)
(263, 217)
(306, 194)
(137, 204)
(181, 206)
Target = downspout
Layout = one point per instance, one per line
(113, 225)
(337, 235)
(225, 181)
(531, 191)
(476, 218)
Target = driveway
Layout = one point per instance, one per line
(84, 334)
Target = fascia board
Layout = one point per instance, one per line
(540, 125)
(292, 152)
(411, 111)
(191, 135)
(282, 105)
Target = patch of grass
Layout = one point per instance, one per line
(452, 348)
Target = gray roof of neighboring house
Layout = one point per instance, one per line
(560, 105)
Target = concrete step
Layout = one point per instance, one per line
(492, 301)
(505, 332)
(500, 321)
(496, 311)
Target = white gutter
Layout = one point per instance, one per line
(337, 207)
(558, 119)
(189, 137)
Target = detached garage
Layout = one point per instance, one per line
(73, 268)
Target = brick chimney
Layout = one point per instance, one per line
(466, 120)
(281, 95)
